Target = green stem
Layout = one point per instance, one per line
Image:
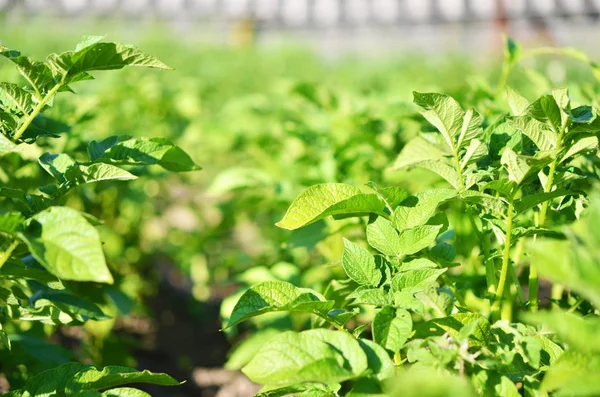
(506, 69)
(533, 271)
(576, 305)
(505, 262)
(36, 111)
(5, 255)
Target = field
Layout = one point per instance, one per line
(321, 227)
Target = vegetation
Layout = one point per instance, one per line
(451, 237)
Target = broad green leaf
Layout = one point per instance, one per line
(391, 195)
(301, 390)
(582, 114)
(416, 210)
(360, 265)
(52, 382)
(378, 359)
(70, 65)
(541, 135)
(292, 358)
(545, 109)
(521, 167)
(475, 152)
(37, 74)
(471, 128)
(415, 151)
(579, 333)
(277, 296)
(351, 350)
(382, 236)
(573, 374)
(561, 96)
(15, 98)
(94, 378)
(125, 392)
(391, 328)
(583, 144)
(518, 104)
(7, 146)
(10, 222)
(141, 151)
(366, 387)
(444, 170)
(65, 243)
(243, 353)
(329, 199)
(4, 339)
(104, 172)
(369, 296)
(418, 264)
(417, 238)
(532, 200)
(61, 166)
(416, 280)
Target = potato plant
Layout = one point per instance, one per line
(405, 318)
(52, 264)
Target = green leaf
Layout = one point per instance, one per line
(141, 151)
(273, 296)
(518, 104)
(532, 200)
(382, 236)
(417, 238)
(360, 265)
(424, 381)
(378, 359)
(391, 328)
(521, 167)
(456, 126)
(355, 356)
(475, 152)
(415, 151)
(65, 243)
(391, 195)
(545, 109)
(444, 170)
(542, 136)
(16, 99)
(292, 358)
(416, 210)
(329, 199)
(52, 382)
(583, 144)
(71, 65)
(7, 146)
(369, 296)
(93, 378)
(416, 280)
(10, 222)
(125, 392)
(37, 74)
(243, 353)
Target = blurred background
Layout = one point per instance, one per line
(270, 97)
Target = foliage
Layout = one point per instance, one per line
(52, 266)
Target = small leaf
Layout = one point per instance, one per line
(360, 265)
(583, 144)
(273, 296)
(443, 169)
(415, 151)
(417, 238)
(416, 280)
(15, 98)
(391, 195)
(532, 200)
(518, 104)
(545, 109)
(36, 73)
(521, 167)
(582, 114)
(329, 199)
(475, 152)
(391, 328)
(382, 236)
(65, 243)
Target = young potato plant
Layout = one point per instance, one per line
(51, 257)
(405, 311)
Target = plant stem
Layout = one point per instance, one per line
(505, 262)
(36, 111)
(533, 271)
(5, 255)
